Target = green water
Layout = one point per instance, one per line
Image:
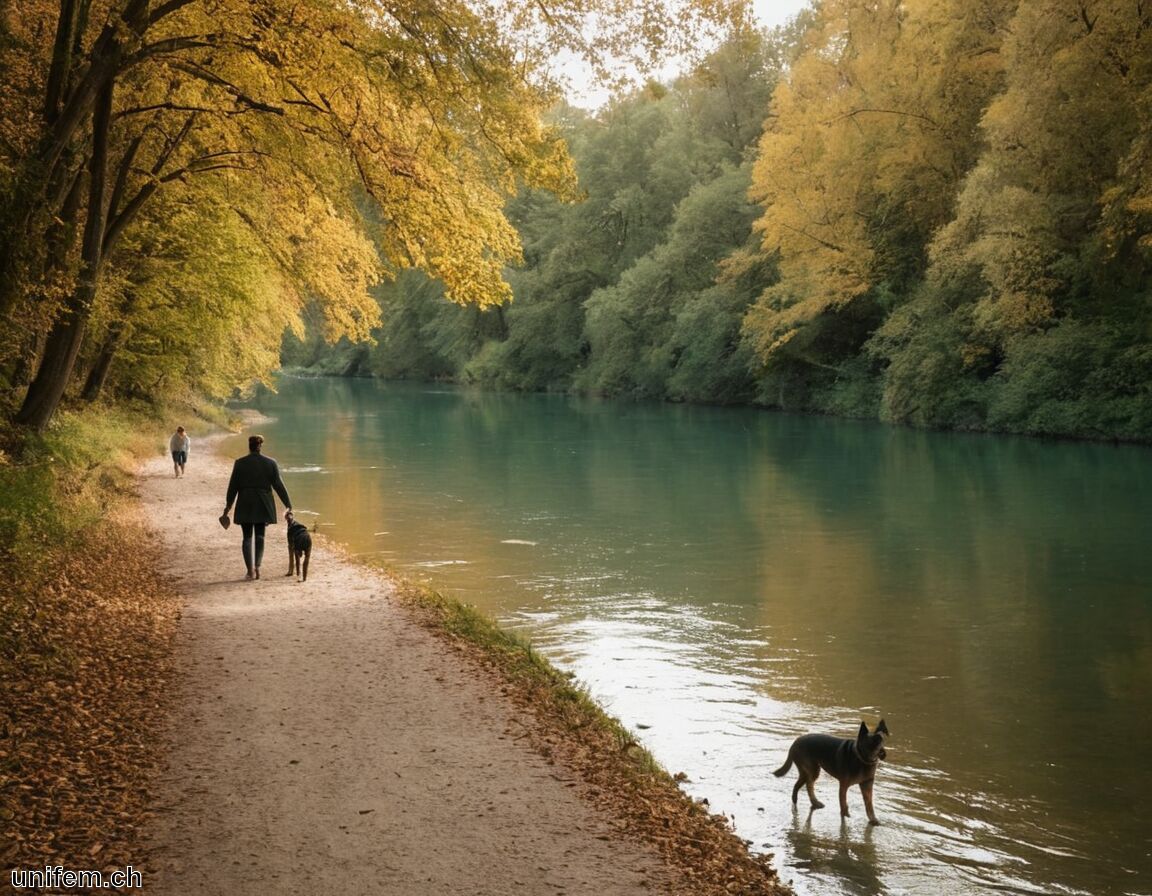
(725, 580)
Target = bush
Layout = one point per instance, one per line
(1075, 379)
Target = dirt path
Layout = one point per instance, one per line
(326, 743)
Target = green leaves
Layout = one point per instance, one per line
(617, 293)
(352, 141)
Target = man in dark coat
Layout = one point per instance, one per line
(253, 480)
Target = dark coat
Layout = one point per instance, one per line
(253, 479)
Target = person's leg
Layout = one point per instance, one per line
(246, 545)
(175, 463)
(259, 546)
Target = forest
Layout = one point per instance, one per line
(930, 212)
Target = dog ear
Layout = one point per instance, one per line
(882, 728)
(863, 731)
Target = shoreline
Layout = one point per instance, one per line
(413, 750)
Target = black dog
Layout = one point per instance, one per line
(848, 760)
(299, 546)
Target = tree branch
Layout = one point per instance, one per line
(305, 100)
(122, 176)
(242, 98)
(61, 59)
(814, 238)
(853, 113)
(118, 222)
(162, 107)
(173, 45)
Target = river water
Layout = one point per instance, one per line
(724, 580)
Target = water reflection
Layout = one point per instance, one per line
(731, 579)
(853, 861)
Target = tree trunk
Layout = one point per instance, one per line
(55, 372)
(63, 347)
(25, 364)
(75, 88)
(41, 175)
(98, 375)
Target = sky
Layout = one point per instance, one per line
(769, 13)
(776, 12)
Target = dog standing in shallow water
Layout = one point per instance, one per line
(299, 547)
(850, 761)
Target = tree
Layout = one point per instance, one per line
(868, 140)
(571, 250)
(248, 267)
(1047, 256)
(637, 162)
(638, 329)
(428, 111)
(596, 305)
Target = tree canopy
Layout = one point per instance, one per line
(949, 226)
(348, 141)
(628, 291)
(1034, 313)
(926, 211)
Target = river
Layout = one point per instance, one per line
(724, 580)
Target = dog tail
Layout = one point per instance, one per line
(783, 770)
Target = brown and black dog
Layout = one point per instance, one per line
(299, 547)
(850, 761)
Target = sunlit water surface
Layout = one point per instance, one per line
(725, 580)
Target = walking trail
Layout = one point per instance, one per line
(324, 742)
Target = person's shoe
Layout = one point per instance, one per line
(257, 572)
(249, 577)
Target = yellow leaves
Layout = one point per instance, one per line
(814, 162)
(867, 143)
(812, 176)
(423, 104)
(336, 265)
(461, 237)
(1065, 156)
(1016, 311)
(973, 355)
(334, 126)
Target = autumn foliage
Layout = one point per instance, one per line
(86, 631)
(949, 226)
(954, 192)
(303, 151)
(84, 698)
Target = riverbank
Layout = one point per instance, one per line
(324, 732)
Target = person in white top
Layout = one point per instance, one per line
(179, 445)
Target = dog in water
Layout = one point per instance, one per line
(848, 760)
(299, 547)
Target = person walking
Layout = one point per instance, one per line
(179, 445)
(250, 487)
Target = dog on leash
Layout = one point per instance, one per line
(299, 547)
(848, 760)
